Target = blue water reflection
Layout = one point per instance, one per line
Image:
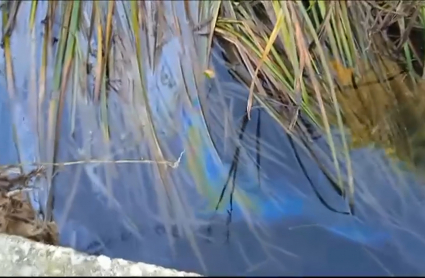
(278, 227)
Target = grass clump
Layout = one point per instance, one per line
(350, 71)
(351, 66)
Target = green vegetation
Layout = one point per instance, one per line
(351, 67)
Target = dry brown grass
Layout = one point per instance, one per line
(347, 65)
(17, 215)
(342, 64)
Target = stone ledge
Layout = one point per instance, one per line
(22, 257)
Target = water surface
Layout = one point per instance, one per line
(121, 210)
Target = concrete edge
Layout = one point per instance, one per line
(22, 257)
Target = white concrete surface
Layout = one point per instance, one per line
(22, 257)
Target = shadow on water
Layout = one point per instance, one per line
(278, 225)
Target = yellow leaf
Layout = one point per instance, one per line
(209, 73)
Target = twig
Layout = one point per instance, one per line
(171, 164)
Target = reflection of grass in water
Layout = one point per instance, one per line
(303, 54)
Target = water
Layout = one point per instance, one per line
(119, 210)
